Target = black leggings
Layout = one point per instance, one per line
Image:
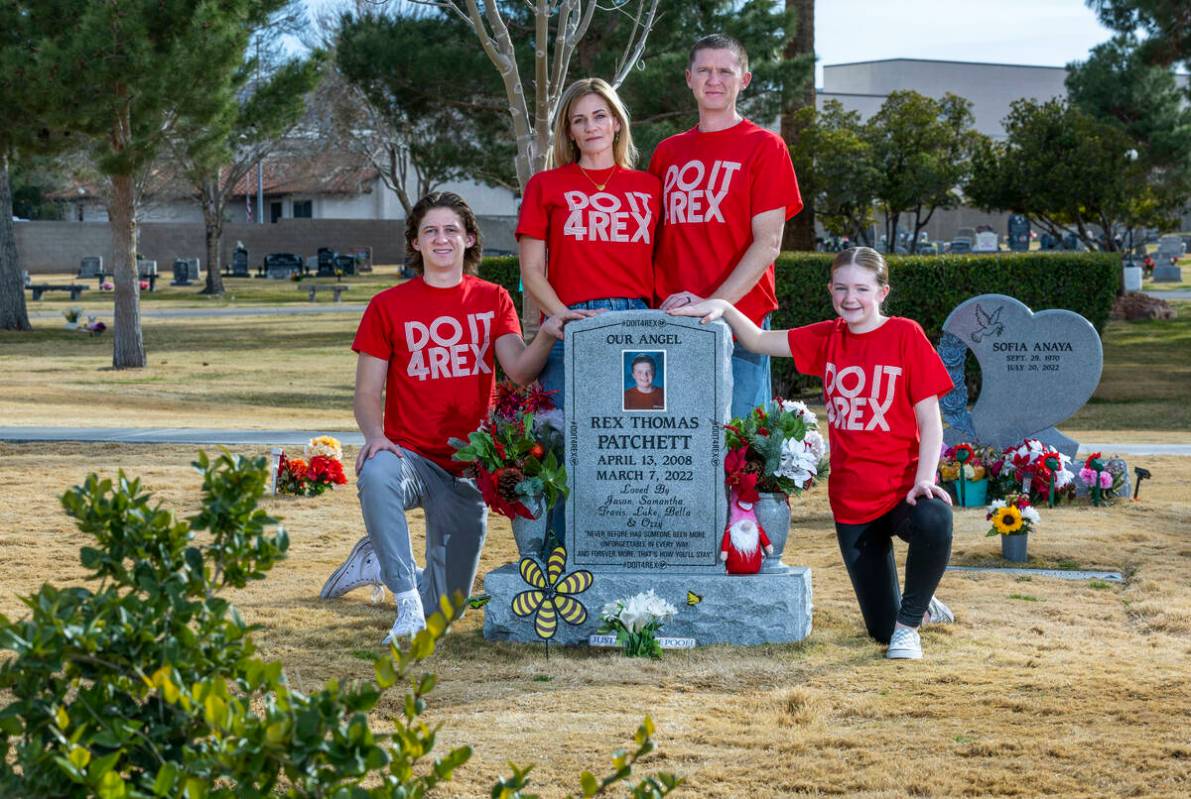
(868, 553)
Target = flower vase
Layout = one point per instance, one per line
(773, 513)
(975, 493)
(530, 534)
(1013, 547)
(72, 325)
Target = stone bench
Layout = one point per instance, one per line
(41, 288)
(313, 289)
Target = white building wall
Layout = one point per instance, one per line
(991, 88)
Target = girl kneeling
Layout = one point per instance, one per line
(881, 383)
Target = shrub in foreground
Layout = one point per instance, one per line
(145, 683)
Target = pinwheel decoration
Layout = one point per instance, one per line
(551, 595)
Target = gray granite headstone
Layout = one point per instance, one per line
(647, 484)
(647, 506)
(91, 266)
(1036, 369)
(1168, 273)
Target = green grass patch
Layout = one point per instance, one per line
(1099, 585)
(1146, 378)
(1025, 597)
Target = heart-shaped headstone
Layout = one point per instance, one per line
(1037, 369)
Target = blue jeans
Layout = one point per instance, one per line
(553, 376)
(751, 381)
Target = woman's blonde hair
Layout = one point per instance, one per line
(565, 151)
(865, 257)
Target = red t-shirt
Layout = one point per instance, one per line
(871, 383)
(598, 243)
(440, 347)
(713, 184)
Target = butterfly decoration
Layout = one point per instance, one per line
(693, 599)
(551, 595)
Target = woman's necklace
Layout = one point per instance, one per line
(599, 186)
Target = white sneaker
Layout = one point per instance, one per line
(905, 644)
(361, 568)
(939, 613)
(410, 618)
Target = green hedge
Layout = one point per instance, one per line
(925, 288)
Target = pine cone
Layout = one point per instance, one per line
(506, 483)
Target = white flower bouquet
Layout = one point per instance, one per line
(636, 622)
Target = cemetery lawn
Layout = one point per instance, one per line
(239, 291)
(1043, 687)
(1145, 383)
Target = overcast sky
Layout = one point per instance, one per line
(1040, 32)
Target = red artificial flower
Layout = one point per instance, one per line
(538, 398)
(537, 451)
(762, 431)
(743, 482)
(1023, 501)
(486, 481)
(326, 470)
(1095, 456)
(966, 450)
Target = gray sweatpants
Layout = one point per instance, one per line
(456, 523)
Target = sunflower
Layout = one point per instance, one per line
(1007, 520)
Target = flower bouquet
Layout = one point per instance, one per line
(774, 452)
(319, 470)
(636, 622)
(73, 315)
(1037, 470)
(1012, 518)
(1101, 479)
(776, 448)
(517, 452)
(94, 326)
(965, 467)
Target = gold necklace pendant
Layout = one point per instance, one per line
(599, 186)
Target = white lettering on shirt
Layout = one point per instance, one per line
(847, 409)
(689, 198)
(436, 350)
(602, 217)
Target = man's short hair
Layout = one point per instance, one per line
(451, 201)
(653, 367)
(720, 41)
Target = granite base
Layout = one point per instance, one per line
(735, 609)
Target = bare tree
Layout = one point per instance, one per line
(558, 27)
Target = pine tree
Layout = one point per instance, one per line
(122, 74)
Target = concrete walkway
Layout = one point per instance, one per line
(194, 435)
(184, 313)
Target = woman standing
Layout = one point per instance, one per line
(586, 231)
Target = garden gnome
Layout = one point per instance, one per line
(743, 539)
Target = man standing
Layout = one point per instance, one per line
(424, 374)
(728, 187)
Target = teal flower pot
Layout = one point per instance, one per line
(975, 494)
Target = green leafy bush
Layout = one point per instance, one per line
(925, 288)
(145, 684)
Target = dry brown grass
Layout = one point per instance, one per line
(1044, 687)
